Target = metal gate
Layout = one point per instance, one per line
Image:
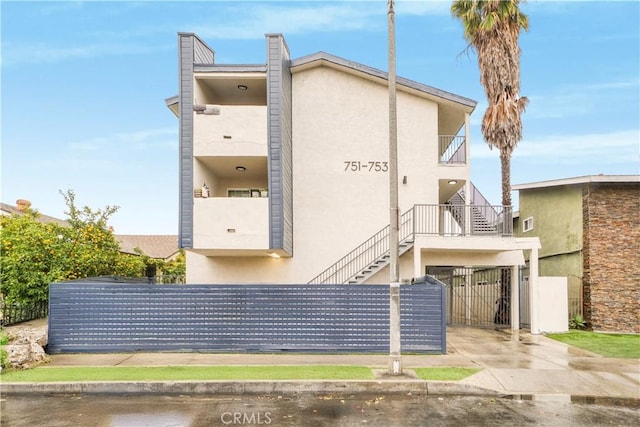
(476, 296)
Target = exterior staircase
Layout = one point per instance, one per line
(368, 258)
(380, 263)
(481, 212)
(373, 255)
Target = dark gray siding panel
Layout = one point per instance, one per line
(202, 53)
(116, 317)
(185, 96)
(190, 49)
(279, 114)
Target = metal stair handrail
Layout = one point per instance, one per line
(376, 247)
(365, 254)
(478, 199)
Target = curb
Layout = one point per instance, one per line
(248, 387)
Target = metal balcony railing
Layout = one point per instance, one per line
(444, 220)
(452, 149)
(449, 220)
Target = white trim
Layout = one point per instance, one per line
(527, 224)
(579, 180)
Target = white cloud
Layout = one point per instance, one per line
(423, 7)
(251, 22)
(17, 54)
(236, 21)
(576, 100)
(603, 148)
(137, 140)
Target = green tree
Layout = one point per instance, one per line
(492, 28)
(94, 249)
(175, 268)
(34, 254)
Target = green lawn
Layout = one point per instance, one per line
(610, 345)
(445, 374)
(178, 373)
(199, 373)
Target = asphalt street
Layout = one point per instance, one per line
(333, 409)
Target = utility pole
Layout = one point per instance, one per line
(395, 362)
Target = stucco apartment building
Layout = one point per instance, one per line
(589, 229)
(284, 173)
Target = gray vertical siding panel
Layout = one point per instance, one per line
(185, 96)
(202, 54)
(191, 50)
(117, 317)
(280, 144)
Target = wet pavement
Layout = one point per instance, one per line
(525, 380)
(314, 410)
(513, 363)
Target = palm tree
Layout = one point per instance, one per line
(492, 28)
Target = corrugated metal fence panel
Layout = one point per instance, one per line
(109, 317)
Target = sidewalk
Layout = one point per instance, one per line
(522, 364)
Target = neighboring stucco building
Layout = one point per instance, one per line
(284, 173)
(589, 229)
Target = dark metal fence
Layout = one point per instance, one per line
(16, 313)
(476, 296)
(107, 317)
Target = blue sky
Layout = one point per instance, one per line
(83, 86)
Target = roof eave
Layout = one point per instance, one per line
(622, 179)
(229, 68)
(172, 104)
(324, 59)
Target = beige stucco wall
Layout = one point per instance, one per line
(338, 118)
(244, 126)
(231, 223)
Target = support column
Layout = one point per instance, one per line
(467, 184)
(467, 137)
(534, 304)
(417, 260)
(395, 359)
(468, 297)
(515, 298)
(467, 208)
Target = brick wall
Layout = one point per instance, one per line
(611, 248)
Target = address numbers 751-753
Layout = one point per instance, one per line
(367, 166)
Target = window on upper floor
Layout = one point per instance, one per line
(239, 192)
(247, 192)
(527, 224)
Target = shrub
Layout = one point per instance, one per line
(577, 322)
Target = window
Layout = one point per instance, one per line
(527, 224)
(247, 192)
(239, 192)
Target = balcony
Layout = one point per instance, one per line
(238, 130)
(231, 226)
(452, 149)
(461, 220)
